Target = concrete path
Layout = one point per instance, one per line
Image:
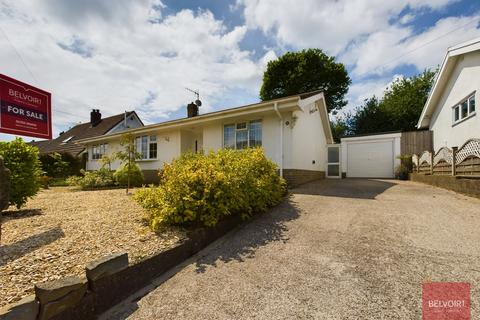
(337, 249)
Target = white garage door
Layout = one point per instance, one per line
(370, 159)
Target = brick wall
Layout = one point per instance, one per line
(468, 186)
(150, 176)
(296, 177)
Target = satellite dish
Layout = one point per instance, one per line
(198, 103)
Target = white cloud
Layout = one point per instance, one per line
(109, 55)
(329, 24)
(382, 51)
(372, 37)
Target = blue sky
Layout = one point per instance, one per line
(140, 55)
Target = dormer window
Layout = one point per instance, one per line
(465, 109)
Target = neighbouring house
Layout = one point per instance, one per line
(450, 111)
(293, 131)
(98, 126)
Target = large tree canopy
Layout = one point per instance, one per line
(307, 70)
(399, 109)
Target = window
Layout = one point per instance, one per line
(229, 136)
(146, 146)
(464, 109)
(242, 135)
(152, 147)
(255, 133)
(98, 150)
(471, 104)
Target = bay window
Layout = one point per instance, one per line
(242, 135)
(146, 146)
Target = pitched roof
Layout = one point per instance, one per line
(288, 101)
(441, 80)
(66, 141)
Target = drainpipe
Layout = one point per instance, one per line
(275, 107)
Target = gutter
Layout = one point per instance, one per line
(275, 107)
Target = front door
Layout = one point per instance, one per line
(333, 161)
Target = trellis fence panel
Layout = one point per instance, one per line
(463, 161)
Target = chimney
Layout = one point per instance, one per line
(192, 110)
(95, 117)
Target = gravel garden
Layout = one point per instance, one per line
(62, 229)
(53, 233)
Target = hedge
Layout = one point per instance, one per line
(199, 189)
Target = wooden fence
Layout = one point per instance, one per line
(415, 142)
(463, 161)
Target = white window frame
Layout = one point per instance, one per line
(149, 142)
(458, 107)
(247, 128)
(102, 150)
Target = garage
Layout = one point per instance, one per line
(370, 156)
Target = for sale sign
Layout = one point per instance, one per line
(25, 110)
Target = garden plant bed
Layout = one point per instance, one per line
(60, 230)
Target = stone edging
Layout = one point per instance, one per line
(108, 281)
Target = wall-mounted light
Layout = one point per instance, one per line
(167, 139)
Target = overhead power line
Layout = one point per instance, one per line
(424, 44)
(19, 56)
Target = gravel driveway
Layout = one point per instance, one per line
(337, 249)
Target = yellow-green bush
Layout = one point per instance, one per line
(136, 175)
(199, 189)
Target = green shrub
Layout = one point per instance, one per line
(199, 189)
(73, 181)
(405, 167)
(60, 165)
(102, 178)
(136, 175)
(22, 160)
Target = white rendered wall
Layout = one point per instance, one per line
(464, 80)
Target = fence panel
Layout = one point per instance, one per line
(425, 162)
(467, 160)
(415, 142)
(464, 161)
(442, 161)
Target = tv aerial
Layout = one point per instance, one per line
(197, 94)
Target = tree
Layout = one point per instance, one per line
(307, 70)
(405, 98)
(106, 161)
(128, 156)
(339, 129)
(399, 109)
(25, 169)
(369, 118)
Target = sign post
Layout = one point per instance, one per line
(24, 109)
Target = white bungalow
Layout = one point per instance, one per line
(294, 132)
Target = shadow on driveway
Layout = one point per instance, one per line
(20, 248)
(346, 188)
(262, 229)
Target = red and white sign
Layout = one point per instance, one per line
(24, 110)
(446, 301)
